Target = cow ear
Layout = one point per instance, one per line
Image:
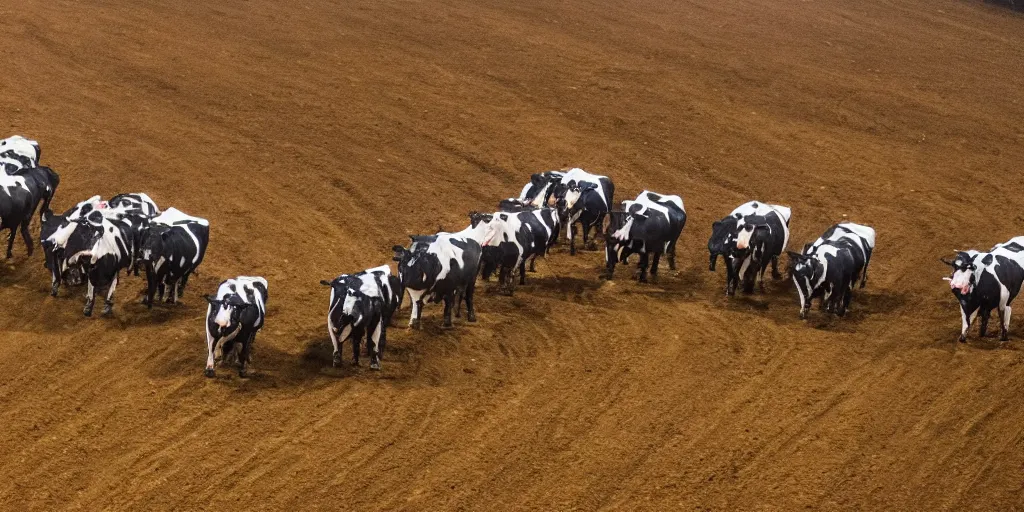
(715, 224)
(325, 282)
(794, 255)
(947, 262)
(211, 300)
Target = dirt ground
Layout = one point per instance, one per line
(314, 135)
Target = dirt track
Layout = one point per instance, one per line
(315, 136)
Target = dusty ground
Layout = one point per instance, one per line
(314, 136)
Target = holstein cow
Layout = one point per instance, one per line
(862, 240)
(585, 198)
(54, 244)
(362, 305)
(748, 239)
(507, 252)
(442, 267)
(983, 281)
(541, 187)
(669, 205)
(544, 224)
(828, 270)
(20, 195)
(172, 248)
(17, 152)
(103, 246)
(651, 225)
(233, 318)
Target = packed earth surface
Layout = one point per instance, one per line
(314, 135)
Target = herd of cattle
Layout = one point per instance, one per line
(93, 241)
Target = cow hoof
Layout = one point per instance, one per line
(1004, 339)
(87, 311)
(209, 373)
(355, 363)
(447, 327)
(108, 310)
(375, 366)
(962, 339)
(471, 318)
(243, 374)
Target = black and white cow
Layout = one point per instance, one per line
(984, 281)
(103, 245)
(54, 232)
(173, 245)
(827, 270)
(651, 225)
(17, 152)
(862, 239)
(442, 267)
(362, 304)
(507, 252)
(750, 238)
(19, 197)
(585, 198)
(233, 318)
(669, 205)
(541, 187)
(544, 224)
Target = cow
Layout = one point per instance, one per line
(750, 238)
(651, 225)
(544, 224)
(512, 243)
(362, 304)
(586, 198)
(541, 187)
(862, 239)
(19, 151)
(983, 281)
(669, 205)
(172, 247)
(233, 318)
(442, 267)
(19, 197)
(103, 245)
(54, 244)
(829, 271)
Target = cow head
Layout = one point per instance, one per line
(230, 312)
(81, 236)
(153, 241)
(805, 270)
(723, 239)
(965, 273)
(572, 201)
(346, 289)
(487, 226)
(749, 230)
(417, 267)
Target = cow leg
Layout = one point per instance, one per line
(160, 288)
(10, 242)
(671, 250)
(90, 298)
(448, 300)
(54, 277)
(211, 344)
(172, 290)
(458, 304)
(643, 267)
(108, 304)
(522, 271)
(985, 315)
(775, 268)
(336, 356)
(588, 242)
(533, 263)
(184, 281)
(243, 359)
(417, 312)
(571, 231)
(1004, 317)
(967, 318)
(27, 236)
(470, 310)
(373, 345)
(357, 339)
(150, 288)
(383, 339)
(654, 267)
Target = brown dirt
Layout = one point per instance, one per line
(314, 136)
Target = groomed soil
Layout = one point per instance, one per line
(314, 135)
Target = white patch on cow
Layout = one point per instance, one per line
(446, 251)
(415, 296)
(743, 238)
(623, 232)
(60, 237)
(173, 215)
(223, 318)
